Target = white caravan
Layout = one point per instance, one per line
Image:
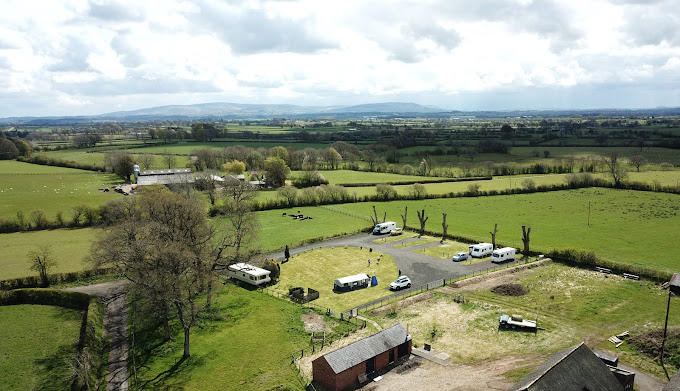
(249, 273)
(481, 250)
(503, 254)
(384, 228)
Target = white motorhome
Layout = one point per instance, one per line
(503, 254)
(481, 250)
(384, 228)
(351, 283)
(249, 273)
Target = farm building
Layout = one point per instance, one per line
(349, 365)
(574, 369)
(164, 177)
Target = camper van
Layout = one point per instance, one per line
(384, 228)
(503, 254)
(351, 283)
(481, 250)
(248, 273)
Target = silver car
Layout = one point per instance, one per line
(460, 257)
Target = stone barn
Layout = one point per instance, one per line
(350, 365)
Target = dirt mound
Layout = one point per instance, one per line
(510, 290)
(649, 343)
(314, 322)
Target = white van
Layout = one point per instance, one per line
(503, 254)
(384, 228)
(481, 250)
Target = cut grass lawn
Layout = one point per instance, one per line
(424, 240)
(246, 344)
(69, 247)
(348, 176)
(51, 189)
(319, 268)
(624, 224)
(576, 305)
(446, 250)
(37, 341)
(390, 239)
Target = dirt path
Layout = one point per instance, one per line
(644, 381)
(115, 325)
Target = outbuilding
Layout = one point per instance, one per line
(350, 365)
(351, 283)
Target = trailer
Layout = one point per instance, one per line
(350, 283)
(249, 274)
(504, 254)
(384, 228)
(516, 322)
(480, 250)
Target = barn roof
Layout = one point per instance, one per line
(363, 349)
(574, 369)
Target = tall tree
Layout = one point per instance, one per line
(146, 160)
(403, 218)
(277, 171)
(525, 239)
(637, 161)
(120, 163)
(423, 220)
(493, 236)
(445, 227)
(614, 167)
(42, 261)
(169, 159)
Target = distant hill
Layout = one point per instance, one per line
(389, 107)
(218, 109)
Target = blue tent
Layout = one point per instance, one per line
(374, 281)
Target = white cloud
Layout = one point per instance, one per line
(85, 57)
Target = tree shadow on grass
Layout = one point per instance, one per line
(54, 370)
(174, 377)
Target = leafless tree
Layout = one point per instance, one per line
(445, 227)
(615, 169)
(637, 161)
(493, 236)
(423, 220)
(42, 261)
(403, 218)
(526, 231)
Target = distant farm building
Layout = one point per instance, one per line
(164, 177)
(574, 369)
(349, 366)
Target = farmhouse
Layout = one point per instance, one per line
(349, 365)
(164, 177)
(574, 369)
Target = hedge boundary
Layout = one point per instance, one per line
(54, 278)
(422, 181)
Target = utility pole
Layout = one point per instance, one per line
(588, 213)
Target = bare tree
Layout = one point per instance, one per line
(445, 227)
(526, 231)
(614, 167)
(169, 159)
(375, 219)
(146, 160)
(423, 220)
(42, 262)
(493, 236)
(403, 218)
(637, 161)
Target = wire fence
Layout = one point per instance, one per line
(345, 212)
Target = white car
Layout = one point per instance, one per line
(460, 257)
(400, 283)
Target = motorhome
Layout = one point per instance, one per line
(503, 255)
(250, 274)
(384, 228)
(481, 250)
(351, 283)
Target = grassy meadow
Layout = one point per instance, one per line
(577, 305)
(624, 225)
(318, 269)
(37, 341)
(69, 247)
(25, 187)
(245, 344)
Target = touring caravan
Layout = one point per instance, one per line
(248, 273)
(351, 283)
(481, 250)
(503, 254)
(384, 228)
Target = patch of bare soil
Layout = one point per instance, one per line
(484, 284)
(314, 322)
(510, 290)
(419, 374)
(649, 343)
(403, 303)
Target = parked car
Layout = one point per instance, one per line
(460, 257)
(400, 283)
(396, 231)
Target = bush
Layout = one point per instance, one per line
(273, 267)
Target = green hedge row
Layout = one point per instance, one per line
(421, 181)
(56, 297)
(92, 348)
(56, 278)
(48, 161)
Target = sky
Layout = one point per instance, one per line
(86, 57)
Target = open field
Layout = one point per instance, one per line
(318, 269)
(37, 341)
(245, 345)
(69, 247)
(187, 147)
(577, 305)
(25, 187)
(94, 157)
(624, 225)
(348, 176)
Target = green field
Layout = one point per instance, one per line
(25, 187)
(69, 247)
(624, 224)
(36, 343)
(347, 176)
(576, 305)
(245, 345)
(187, 147)
(318, 269)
